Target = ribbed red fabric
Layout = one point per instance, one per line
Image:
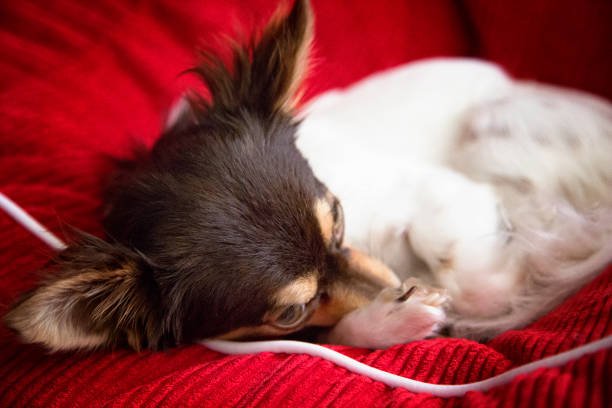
(79, 79)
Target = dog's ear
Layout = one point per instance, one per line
(266, 75)
(100, 295)
(280, 59)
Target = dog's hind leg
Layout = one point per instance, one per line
(546, 153)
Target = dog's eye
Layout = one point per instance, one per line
(294, 315)
(338, 228)
(290, 317)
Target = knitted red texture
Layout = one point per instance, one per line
(78, 80)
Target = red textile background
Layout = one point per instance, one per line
(79, 79)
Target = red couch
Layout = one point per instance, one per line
(78, 80)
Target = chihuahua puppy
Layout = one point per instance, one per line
(223, 230)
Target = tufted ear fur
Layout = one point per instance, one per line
(100, 295)
(266, 74)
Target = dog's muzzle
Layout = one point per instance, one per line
(358, 280)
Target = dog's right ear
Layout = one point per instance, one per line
(101, 295)
(280, 58)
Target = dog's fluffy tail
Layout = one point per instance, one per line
(548, 152)
(557, 261)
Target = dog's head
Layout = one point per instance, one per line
(222, 230)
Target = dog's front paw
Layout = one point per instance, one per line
(398, 315)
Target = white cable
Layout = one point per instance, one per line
(393, 380)
(29, 223)
(299, 347)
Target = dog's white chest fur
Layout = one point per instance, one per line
(496, 190)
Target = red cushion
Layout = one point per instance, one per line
(566, 42)
(78, 80)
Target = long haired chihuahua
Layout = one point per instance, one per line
(222, 230)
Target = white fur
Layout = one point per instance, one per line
(497, 190)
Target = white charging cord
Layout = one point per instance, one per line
(29, 223)
(393, 380)
(299, 347)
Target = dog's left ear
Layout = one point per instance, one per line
(266, 75)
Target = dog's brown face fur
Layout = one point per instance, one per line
(222, 230)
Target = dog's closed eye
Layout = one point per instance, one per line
(293, 316)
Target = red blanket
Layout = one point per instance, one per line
(78, 80)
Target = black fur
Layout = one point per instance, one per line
(225, 211)
(223, 205)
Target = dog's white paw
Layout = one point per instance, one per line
(398, 315)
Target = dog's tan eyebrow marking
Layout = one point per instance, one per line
(323, 212)
(299, 291)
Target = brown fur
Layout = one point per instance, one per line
(299, 291)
